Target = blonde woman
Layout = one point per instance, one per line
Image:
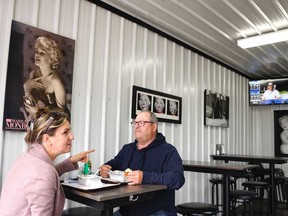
(32, 186)
(45, 86)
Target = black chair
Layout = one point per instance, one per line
(217, 183)
(197, 208)
(281, 189)
(80, 211)
(243, 200)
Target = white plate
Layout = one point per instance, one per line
(99, 185)
(115, 181)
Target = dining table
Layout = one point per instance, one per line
(256, 159)
(105, 199)
(225, 169)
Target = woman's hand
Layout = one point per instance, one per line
(30, 108)
(32, 83)
(104, 170)
(82, 156)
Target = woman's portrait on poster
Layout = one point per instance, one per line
(45, 86)
(144, 102)
(159, 105)
(41, 65)
(173, 108)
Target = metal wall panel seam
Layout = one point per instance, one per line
(105, 78)
(144, 72)
(76, 18)
(89, 81)
(119, 86)
(173, 85)
(132, 81)
(35, 10)
(8, 6)
(195, 126)
(164, 74)
(155, 58)
(57, 17)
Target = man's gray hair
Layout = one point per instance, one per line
(153, 117)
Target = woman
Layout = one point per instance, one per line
(32, 186)
(144, 102)
(159, 105)
(45, 86)
(173, 107)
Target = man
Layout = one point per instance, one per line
(152, 161)
(271, 93)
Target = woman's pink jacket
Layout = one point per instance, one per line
(32, 186)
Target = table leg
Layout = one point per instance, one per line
(272, 192)
(226, 195)
(107, 212)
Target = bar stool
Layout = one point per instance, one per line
(243, 197)
(281, 189)
(259, 187)
(197, 208)
(83, 211)
(215, 195)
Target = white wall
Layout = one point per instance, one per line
(112, 54)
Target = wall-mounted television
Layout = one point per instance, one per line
(268, 92)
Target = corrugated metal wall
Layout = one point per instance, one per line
(112, 54)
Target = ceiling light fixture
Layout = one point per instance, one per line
(263, 39)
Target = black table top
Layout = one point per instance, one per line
(216, 167)
(251, 158)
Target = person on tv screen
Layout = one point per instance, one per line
(283, 121)
(271, 92)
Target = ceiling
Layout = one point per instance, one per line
(213, 27)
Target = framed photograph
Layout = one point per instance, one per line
(281, 133)
(166, 107)
(38, 60)
(216, 109)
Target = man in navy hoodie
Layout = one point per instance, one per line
(152, 161)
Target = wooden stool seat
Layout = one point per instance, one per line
(243, 194)
(197, 208)
(256, 184)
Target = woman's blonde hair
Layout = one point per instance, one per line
(45, 121)
(52, 49)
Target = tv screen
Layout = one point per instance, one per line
(268, 92)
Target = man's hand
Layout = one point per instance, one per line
(104, 170)
(134, 177)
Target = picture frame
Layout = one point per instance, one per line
(216, 109)
(280, 134)
(24, 65)
(166, 107)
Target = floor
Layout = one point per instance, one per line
(281, 210)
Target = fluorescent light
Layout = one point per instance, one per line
(263, 39)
